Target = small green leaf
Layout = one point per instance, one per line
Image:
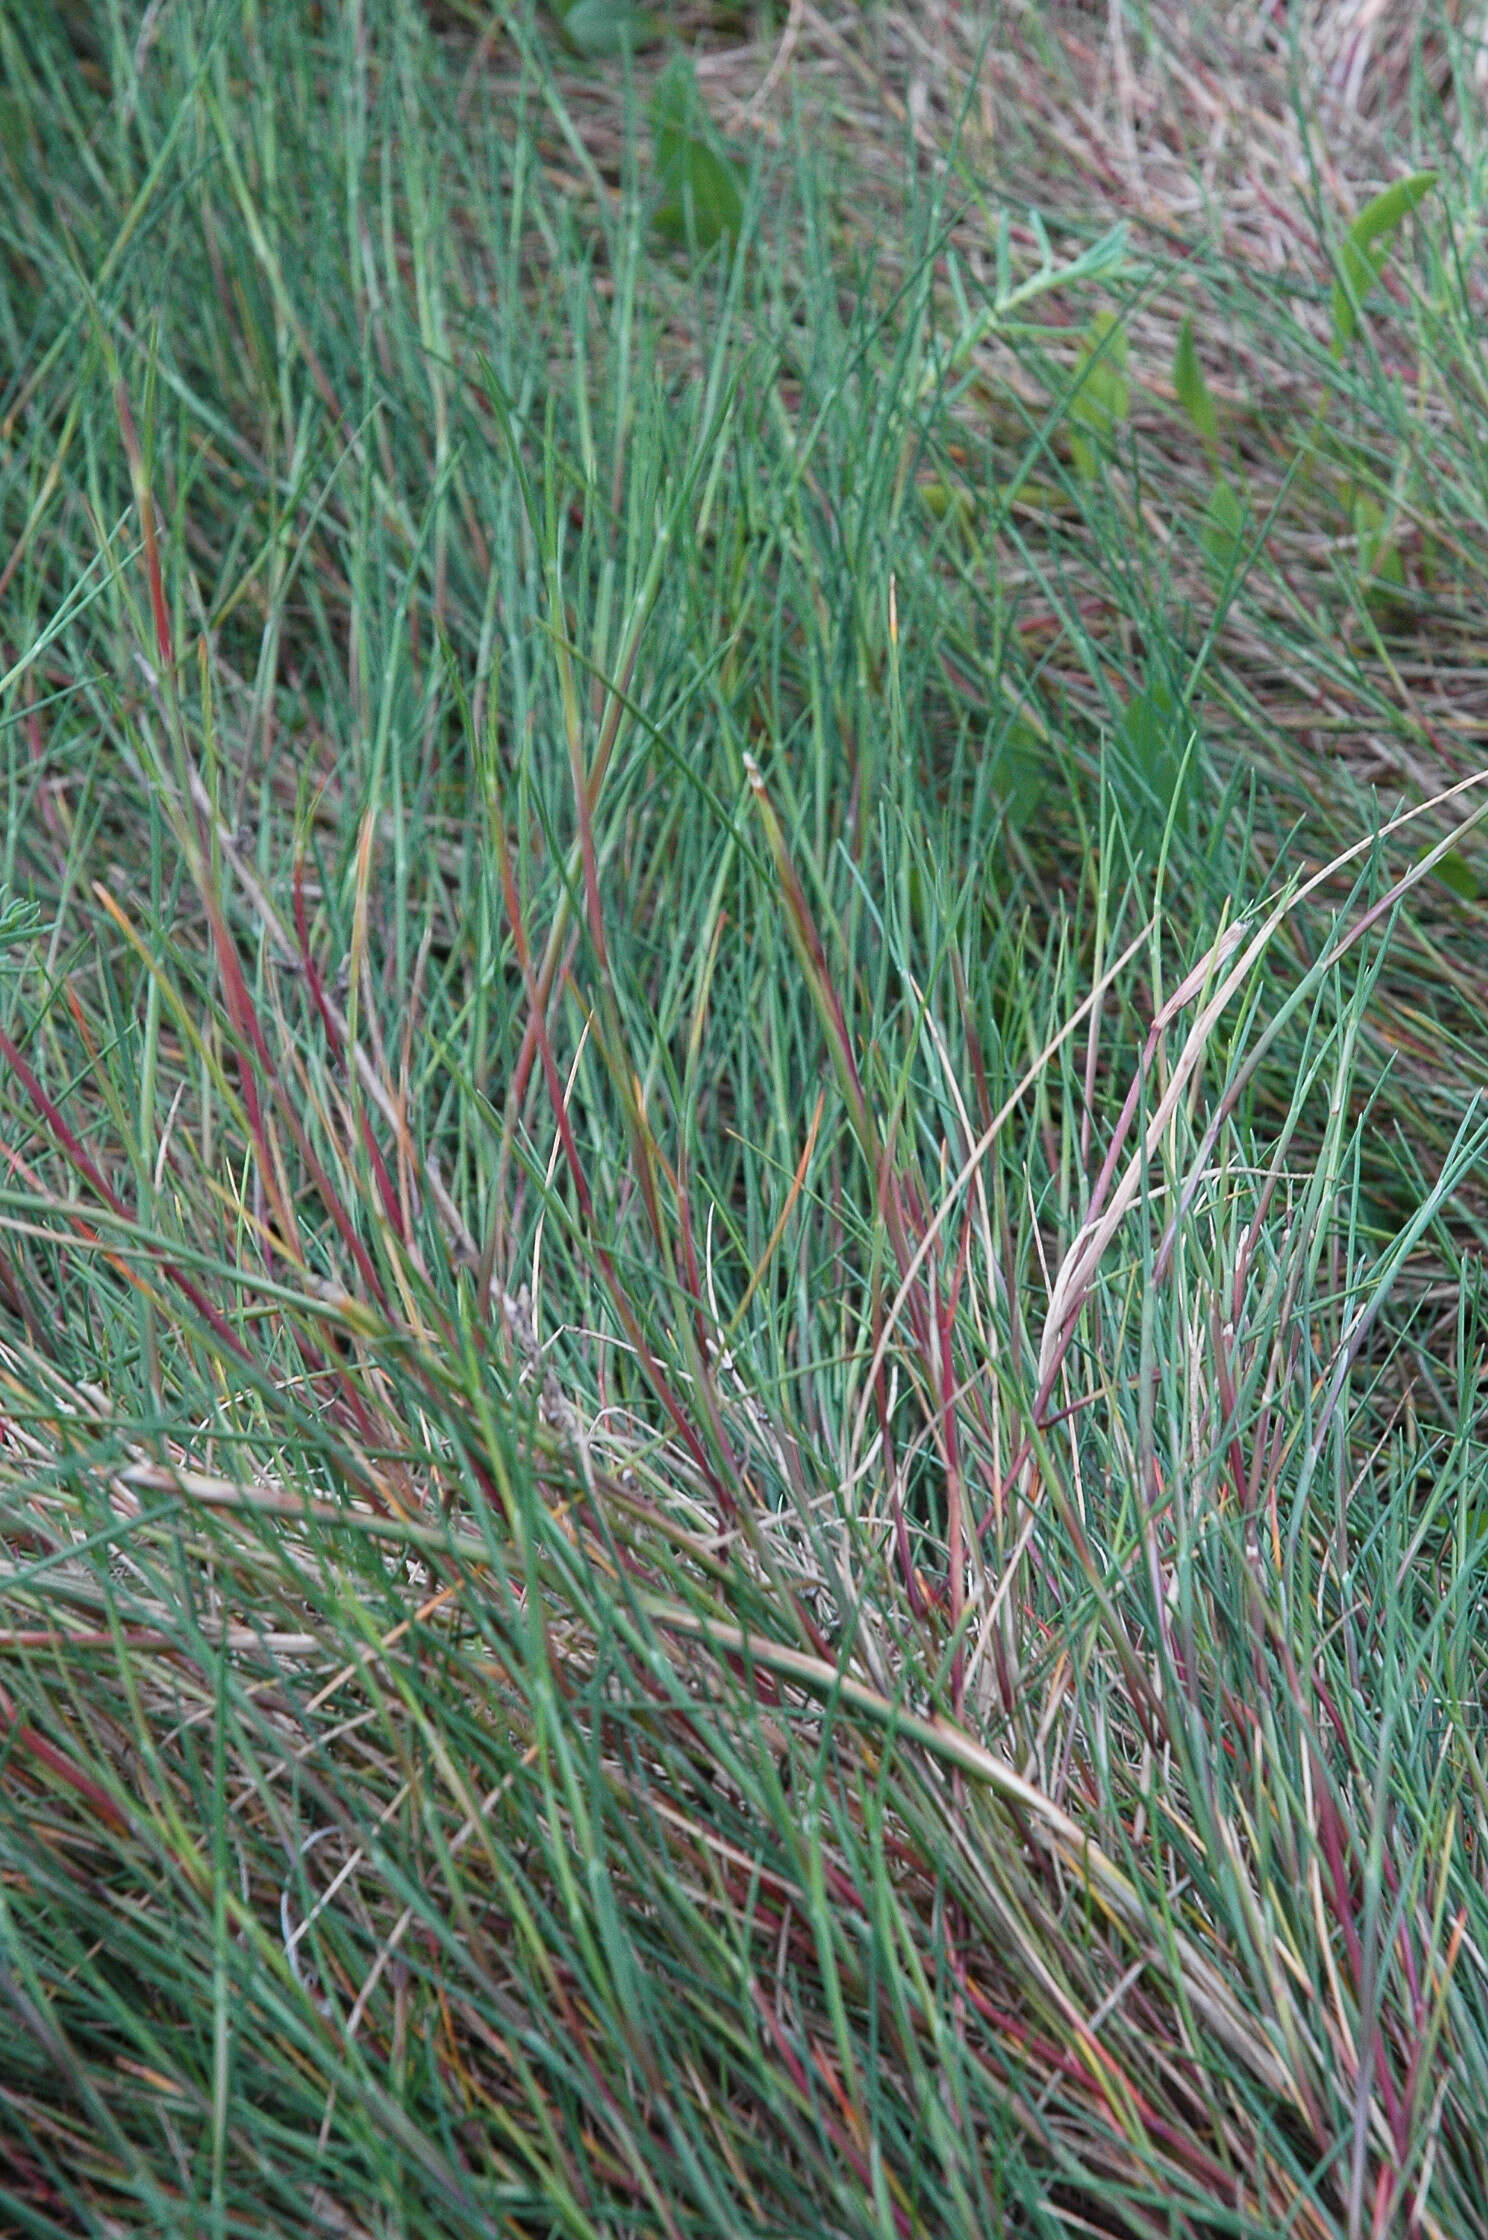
(606, 27)
(674, 99)
(1365, 247)
(1086, 458)
(941, 498)
(1379, 555)
(702, 200)
(1101, 399)
(1147, 762)
(706, 206)
(1381, 215)
(1457, 875)
(1191, 387)
(1223, 531)
(1019, 772)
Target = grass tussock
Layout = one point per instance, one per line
(742, 1474)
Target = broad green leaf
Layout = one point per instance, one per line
(706, 204)
(1147, 765)
(702, 199)
(606, 27)
(1020, 772)
(1457, 875)
(1379, 555)
(1223, 530)
(941, 498)
(674, 99)
(1191, 387)
(1365, 247)
(1381, 215)
(1102, 398)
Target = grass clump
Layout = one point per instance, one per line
(741, 1463)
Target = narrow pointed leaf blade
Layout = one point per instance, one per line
(1189, 384)
(1365, 247)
